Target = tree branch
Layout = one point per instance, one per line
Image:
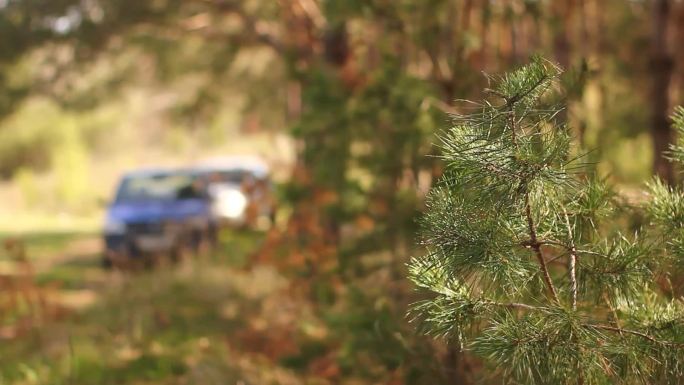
(633, 332)
(534, 242)
(253, 26)
(572, 264)
(516, 305)
(536, 246)
(613, 311)
(515, 98)
(313, 11)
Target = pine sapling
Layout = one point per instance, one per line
(526, 264)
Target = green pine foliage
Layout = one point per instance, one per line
(526, 265)
(666, 208)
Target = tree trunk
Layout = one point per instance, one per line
(563, 11)
(661, 68)
(678, 72)
(456, 367)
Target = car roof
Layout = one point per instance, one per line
(156, 171)
(251, 164)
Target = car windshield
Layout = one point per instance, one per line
(156, 187)
(229, 176)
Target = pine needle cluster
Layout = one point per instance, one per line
(525, 265)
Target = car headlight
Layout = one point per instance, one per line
(114, 227)
(231, 203)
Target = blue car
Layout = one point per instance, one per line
(157, 213)
(240, 189)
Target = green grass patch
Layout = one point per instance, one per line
(45, 244)
(164, 326)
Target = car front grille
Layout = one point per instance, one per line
(145, 228)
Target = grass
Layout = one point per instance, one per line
(168, 326)
(150, 329)
(47, 244)
(218, 319)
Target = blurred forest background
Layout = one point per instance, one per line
(344, 98)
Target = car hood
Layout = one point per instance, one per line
(146, 211)
(216, 188)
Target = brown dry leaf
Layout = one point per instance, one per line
(396, 378)
(325, 197)
(161, 318)
(272, 343)
(364, 222)
(128, 353)
(325, 367)
(297, 258)
(76, 299)
(7, 332)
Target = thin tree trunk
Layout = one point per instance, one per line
(563, 11)
(562, 17)
(514, 58)
(661, 68)
(483, 63)
(585, 36)
(456, 368)
(678, 80)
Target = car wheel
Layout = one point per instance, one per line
(211, 240)
(150, 262)
(202, 242)
(179, 253)
(213, 234)
(107, 263)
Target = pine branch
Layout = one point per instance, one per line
(510, 101)
(573, 261)
(534, 243)
(516, 305)
(635, 333)
(537, 249)
(613, 311)
(510, 183)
